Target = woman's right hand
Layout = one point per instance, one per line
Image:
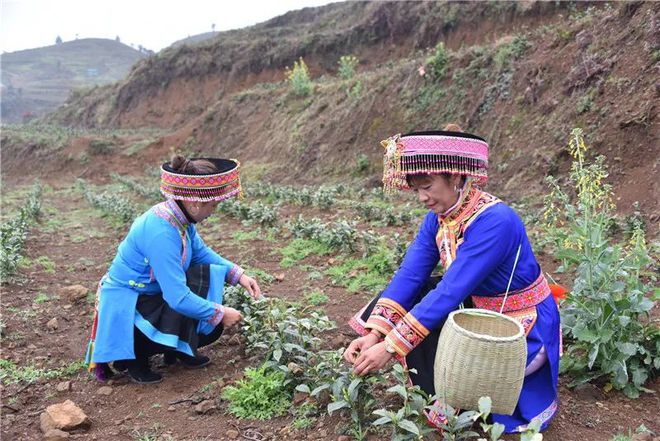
(360, 345)
(231, 317)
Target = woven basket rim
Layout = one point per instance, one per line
(483, 337)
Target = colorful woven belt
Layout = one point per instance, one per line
(534, 294)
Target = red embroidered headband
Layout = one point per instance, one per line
(224, 184)
(433, 153)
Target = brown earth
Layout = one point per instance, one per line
(81, 244)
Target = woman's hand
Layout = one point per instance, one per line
(373, 359)
(250, 285)
(231, 317)
(359, 345)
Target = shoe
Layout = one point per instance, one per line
(141, 373)
(170, 358)
(120, 365)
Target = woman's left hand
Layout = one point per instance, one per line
(250, 285)
(373, 359)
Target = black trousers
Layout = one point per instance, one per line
(144, 347)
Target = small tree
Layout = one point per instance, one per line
(437, 63)
(299, 79)
(117, 39)
(58, 40)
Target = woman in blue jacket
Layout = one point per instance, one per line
(163, 292)
(482, 246)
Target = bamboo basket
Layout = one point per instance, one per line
(480, 353)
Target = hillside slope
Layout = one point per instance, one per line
(520, 74)
(37, 81)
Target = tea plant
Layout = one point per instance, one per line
(340, 235)
(299, 79)
(109, 203)
(408, 422)
(254, 213)
(355, 394)
(138, 188)
(606, 314)
(14, 231)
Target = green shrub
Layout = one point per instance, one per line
(261, 395)
(507, 53)
(299, 79)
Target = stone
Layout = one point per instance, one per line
(294, 368)
(232, 434)
(343, 438)
(205, 406)
(63, 416)
(52, 324)
(55, 435)
(73, 293)
(299, 397)
(279, 277)
(104, 390)
(63, 386)
(644, 436)
(588, 392)
(171, 409)
(323, 433)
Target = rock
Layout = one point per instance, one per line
(279, 277)
(340, 341)
(299, 397)
(323, 433)
(171, 409)
(583, 39)
(52, 324)
(589, 392)
(104, 390)
(63, 416)
(63, 386)
(294, 368)
(343, 438)
(235, 340)
(205, 406)
(644, 436)
(232, 434)
(73, 293)
(55, 435)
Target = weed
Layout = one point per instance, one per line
(299, 249)
(347, 65)
(10, 373)
(316, 297)
(299, 79)
(606, 314)
(437, 62)
(261, 395)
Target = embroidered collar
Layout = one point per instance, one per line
(468, 195)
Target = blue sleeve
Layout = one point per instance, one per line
(488, 241)
(421, 258)
(202, 254)
(164, 253)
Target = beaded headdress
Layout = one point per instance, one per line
(433, 152)
(223, 184)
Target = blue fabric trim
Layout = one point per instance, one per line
(155, 335)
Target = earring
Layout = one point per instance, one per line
(456, 189)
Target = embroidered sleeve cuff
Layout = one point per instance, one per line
(216, 318)
(234, 275)
(385, 316)
(407, 334)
